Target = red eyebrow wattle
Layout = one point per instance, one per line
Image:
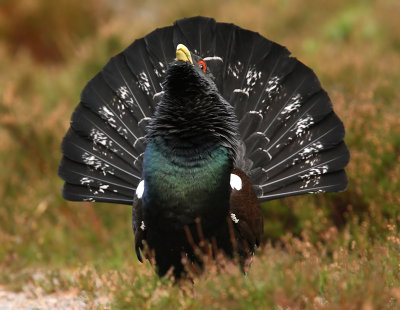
(202, 62)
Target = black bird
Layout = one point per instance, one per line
(194, 125)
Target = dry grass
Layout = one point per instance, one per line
(336, 251)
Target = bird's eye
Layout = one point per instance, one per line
(202, 65)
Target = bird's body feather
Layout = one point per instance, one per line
(182, 129)
(179, 189)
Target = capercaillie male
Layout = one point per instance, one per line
(196, 124)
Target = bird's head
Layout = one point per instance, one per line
(188, 78)
(191, 107)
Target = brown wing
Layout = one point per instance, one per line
(246, 214)
(139, 228)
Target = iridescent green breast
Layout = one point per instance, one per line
(179, 188)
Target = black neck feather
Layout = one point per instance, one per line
(192, 113)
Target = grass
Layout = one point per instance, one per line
(334, 251)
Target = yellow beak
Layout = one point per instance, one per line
(182, 53)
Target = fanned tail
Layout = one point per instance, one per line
(291, 140)
(103, 149)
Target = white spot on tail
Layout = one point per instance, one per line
(107, 111)
(158, 73)
(213, 58)
(108, 115)
(123, 92)
(103, 187)
(243, 91)
(236, 182)
(143, 83)
(317, 191)
(313, 176)
(293, 104)
(303, 124)
(158, 94)
(140, 190)
(144, 119)
(86, 180)
(234, 218)
(315, 171)
(100, 137)
(235, 69)
(253, 76)
(311, 149)
(97, 163)
(272, 86)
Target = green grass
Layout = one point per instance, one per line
(334, 251)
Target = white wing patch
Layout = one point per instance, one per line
(236, 182)
(140, 189)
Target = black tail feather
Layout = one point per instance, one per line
(83, 193)
(83, 151)
(318, 164)
(197, 33)
(81, 174)
(292, 142)
(331, 182)
(320, 137)
(90, 126)
(123, 85)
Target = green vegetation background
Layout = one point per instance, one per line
(334, 251)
